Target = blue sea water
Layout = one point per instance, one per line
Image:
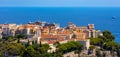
(100, 16)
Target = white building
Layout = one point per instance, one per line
(86, 43)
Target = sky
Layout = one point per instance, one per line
(59, 3)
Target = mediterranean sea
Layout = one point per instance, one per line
(104, 18)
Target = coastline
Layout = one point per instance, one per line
(77, 15)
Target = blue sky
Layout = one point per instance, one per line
(60, 3)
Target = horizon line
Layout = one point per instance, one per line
(59, 6)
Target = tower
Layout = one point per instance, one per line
(91, 26)
(39, 36)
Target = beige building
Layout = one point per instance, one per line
(8, 29)
(95, 33)
(86, 43)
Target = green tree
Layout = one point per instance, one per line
(15, 49)
(108, 35)
(56, 44)
(46, 46)
(27, 44)
(96, 41)
(18, 41)
(31, 52)
(103, 38)
(92, 47)
(23, 36)
(98, 53)
(70, 46)
(60, 54)
(111, 45)
(1, 54)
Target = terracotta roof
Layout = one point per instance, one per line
(82, 27)
(64, 32)
(51, 38)
(28, 26)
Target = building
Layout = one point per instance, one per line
(43, 32)
(86, 43)
(95, 33)
(8, 29)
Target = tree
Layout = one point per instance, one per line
(96, 41)
(111, 45)
(46, 46)
(70, 46)
(92, 47)
(62, 48)
(98, 53)
(103, 38)
(15, 49)
(23, 36)
(108, 35)
(27, 44)
(56, 44)
(8, 38)
(60, 54)
(43, 50)
(31, 52)
(18, 41)
(118, 51)
(1, 54)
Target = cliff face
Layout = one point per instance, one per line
(95, 53)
